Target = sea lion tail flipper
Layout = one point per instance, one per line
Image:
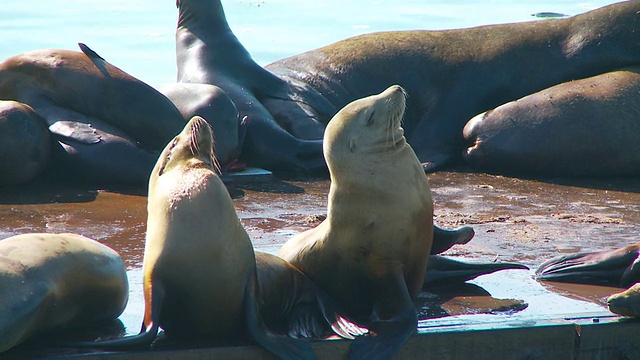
(393, 321)
(443, 270)
(283, 347)
(444, 239)
(90, 53)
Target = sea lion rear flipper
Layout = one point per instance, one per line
(443, 270)
(282, 346)
(444, 239)
(393, 320)
(331, 314)
(600, 267)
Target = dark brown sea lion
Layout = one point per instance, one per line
(57, 281)
(450, 76)
(25, 143)
(587, 127)
(619, 267)
(371, 251)
(211, 103)
(208, 52)
(108, 125)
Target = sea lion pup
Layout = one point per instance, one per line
(199, 271)
(619, 267)
(370, 253)
(108, 126)
(56, 281)
(626, 303)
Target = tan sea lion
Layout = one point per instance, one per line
(626, 303)
(25, 143)
(371, 251)
(199, 271)
(56, 281)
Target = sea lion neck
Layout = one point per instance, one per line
(204, 13)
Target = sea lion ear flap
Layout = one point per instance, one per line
(352, 145)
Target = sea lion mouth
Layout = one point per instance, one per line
(195, 141)
(202, 142)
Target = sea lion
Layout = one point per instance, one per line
(450, 76)
(208, 52)
(212, 104)
(25, 143)
(619, 267)
(626, 303)
(371, 252)
(587, 127)
(199, 270)
(108, 125)
(55, 281)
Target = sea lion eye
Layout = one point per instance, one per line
(370, 120)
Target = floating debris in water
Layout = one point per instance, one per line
(549, 15)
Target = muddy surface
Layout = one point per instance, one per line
(525, 221)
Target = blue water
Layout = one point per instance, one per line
(138, 36)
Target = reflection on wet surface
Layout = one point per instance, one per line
(515, 220)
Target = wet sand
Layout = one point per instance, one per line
(516, 220)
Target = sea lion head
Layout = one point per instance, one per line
(626, 303)
(367, 126)
(192, 148)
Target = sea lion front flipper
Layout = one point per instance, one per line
(282, 346)
(64, 122)
(76, 131)
(443, 270)
(393, 320)
(444, 239)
